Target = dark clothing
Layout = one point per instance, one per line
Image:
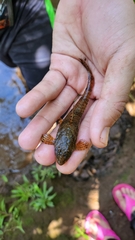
(28, 43)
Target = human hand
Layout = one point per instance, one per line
(103, 32)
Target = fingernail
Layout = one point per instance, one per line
(105, 135)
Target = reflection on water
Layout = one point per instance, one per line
(12, 158)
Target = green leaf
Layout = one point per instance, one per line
(1, 232)
(2, 205)
(20, 228)
(52, 196)
(11, 208)
(80, 233)
(16, 212)
(2, 221)
(50, 204)
(4, 178)
(25, 179)
(19, 225)
(49, 190)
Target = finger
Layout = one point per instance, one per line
(45, 154)
(46, 117)
(114, 95)
(48, 89)
(62, 68)
(73, 162)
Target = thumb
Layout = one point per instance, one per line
(114, 95)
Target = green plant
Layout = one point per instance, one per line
(22, 192)
(42, 197)
(9, 219)
(41, 173)
(3, 213)
(39, 197)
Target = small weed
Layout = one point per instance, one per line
(41, 173)
(79, 232)
(22, 192)
(9, 219)
(42, 198)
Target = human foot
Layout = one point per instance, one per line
(124, 196)
(98, 228)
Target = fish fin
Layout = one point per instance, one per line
(82, 145)
(47, 139)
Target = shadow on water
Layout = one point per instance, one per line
(12, 158)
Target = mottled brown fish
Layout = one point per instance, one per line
(66, 138)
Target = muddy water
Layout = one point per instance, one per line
(12, 158)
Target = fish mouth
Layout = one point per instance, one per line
(61, 161)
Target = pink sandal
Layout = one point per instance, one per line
(102, 232)
(130, 203)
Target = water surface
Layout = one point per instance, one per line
(12, 157)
